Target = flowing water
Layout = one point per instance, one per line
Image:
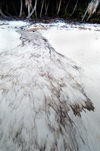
(49, 86)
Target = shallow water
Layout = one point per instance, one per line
(81, 43)
(38, 86)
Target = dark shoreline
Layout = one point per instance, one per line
(50, 19)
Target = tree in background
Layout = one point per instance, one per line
(28, 4)
(33, 9)
(49, 8)
(91, 9)
(21, 8)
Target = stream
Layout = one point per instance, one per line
(49, 86)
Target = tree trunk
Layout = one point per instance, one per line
(74, 7)
(2, 14)
(67, 5)
(41, 8)
(33, 10)
(46, 7)
(21, 8)
(28, 10)
(59, 7)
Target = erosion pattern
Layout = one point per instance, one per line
(41, 99)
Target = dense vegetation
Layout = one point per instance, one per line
(71, 9)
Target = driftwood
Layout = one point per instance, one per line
(37, 28)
